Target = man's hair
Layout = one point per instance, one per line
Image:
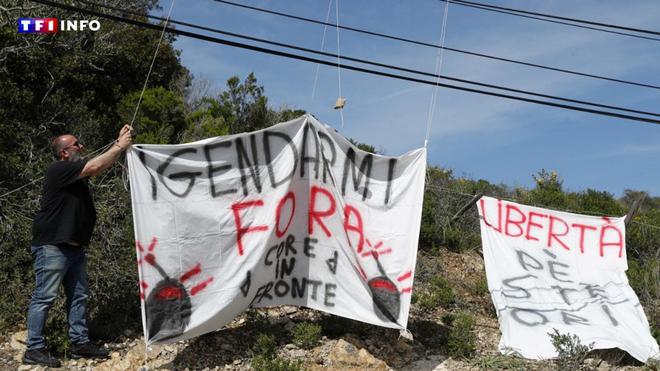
(56, 146)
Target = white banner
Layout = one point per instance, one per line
(293, 214)
(554, 270)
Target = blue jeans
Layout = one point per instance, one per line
(53, 265)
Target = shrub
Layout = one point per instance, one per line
(439, 293)
(262, 363)
(56, 328)
(266, 358)
(461, 342)
(501, 362)
(266, 345)
(306, 335)
(256, 320)
(571, 353)
(441, 288)
(480, 288)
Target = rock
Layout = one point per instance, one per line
(237, 362)
(430, 363)
(132, 360)
(19, 340)
(297, 353)
(24, 367)
(289, 309)
(290, 346)
(114, 355)
(403, 347)
(346, 355)
(128, 332)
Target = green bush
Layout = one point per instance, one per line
(306, 335)
(56, 330)
(439, 293)
(262, 363)
(461, 341)
(266, 358)
(480, 288)
(266, 345)
(571, 353)
(441, 289)
(501, 362)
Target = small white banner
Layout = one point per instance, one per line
(554, 270)
(292, 214)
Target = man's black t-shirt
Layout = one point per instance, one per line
(67, 211)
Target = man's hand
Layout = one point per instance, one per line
(125, 138)
(103, 161)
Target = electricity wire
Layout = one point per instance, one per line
(397, 68)
(344, 66)
(557, 22)
(421, 43)
(552, 16)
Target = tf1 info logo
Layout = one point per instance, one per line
(53, 25)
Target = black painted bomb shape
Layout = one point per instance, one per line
(385, 294)
(168, 306)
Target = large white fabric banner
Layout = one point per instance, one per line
(293, 214)
(554, 270)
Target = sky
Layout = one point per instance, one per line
(478, 136)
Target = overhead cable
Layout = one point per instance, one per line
(520, 13)
(383, 65)
(461, 51)
(608, 25)
(344, 66)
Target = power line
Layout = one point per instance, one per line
(461, 51)
(344, 66)
(608, 25)
(520, 13)
(373, 63)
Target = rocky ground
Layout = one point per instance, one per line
(344, 345)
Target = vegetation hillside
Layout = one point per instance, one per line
(88, 84)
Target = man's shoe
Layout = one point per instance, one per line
(40, 357)
(88, 350)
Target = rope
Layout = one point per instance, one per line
(448, 190)
(41, 177)
(438, 68)
(325, 28)
(341, 110)
(153, 60)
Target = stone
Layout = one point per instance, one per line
(403, 347)
(346, 355)
(289, 309)
(431, 362)
(19, 340)
(297, 353)
(132, 360)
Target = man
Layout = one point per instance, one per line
(60, 231)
